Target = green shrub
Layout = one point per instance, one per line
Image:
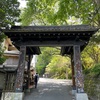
(96, 70)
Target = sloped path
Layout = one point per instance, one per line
(50, 89)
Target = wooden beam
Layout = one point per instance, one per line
(50, 43)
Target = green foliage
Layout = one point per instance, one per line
(96, 70)
(92, 82)
(90, 55)
(2, 58)
(45, 58)
(96, 38)
(2, 36)
(90, 86)
(58, 12)
(9, 12)
(52, 64)
(86, 70)
(58, 67)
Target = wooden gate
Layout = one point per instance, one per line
(10, 80)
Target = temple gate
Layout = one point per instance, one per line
(71, 39)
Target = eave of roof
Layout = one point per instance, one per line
(50, 33)
(69, 28)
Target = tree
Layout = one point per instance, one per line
(1, 49)
(9, 15)
(58, 12)
(91, 55)
(59, 67)
(9, 12)
(44, 58)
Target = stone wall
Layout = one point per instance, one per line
(12, 96)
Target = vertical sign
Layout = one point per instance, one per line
(20, 70)
(78, 69)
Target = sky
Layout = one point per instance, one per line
(22, 3)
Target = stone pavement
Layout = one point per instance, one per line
(50, 89)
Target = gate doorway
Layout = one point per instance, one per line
(71, 39)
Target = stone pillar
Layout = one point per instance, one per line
(20, 70)
(78, 70)
(73, 73)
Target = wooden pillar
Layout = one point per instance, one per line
(20, 70)
(73, 73)
(28, 71)
(78, 70)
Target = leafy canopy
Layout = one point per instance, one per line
(59, 12)
(9, 12)
(9, 15)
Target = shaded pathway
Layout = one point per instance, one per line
(50, 89)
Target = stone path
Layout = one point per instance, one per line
(50, 89)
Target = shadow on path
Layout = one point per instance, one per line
(50, 89)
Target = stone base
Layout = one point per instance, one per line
(12, 96)
(81, 96)
(73, 92)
